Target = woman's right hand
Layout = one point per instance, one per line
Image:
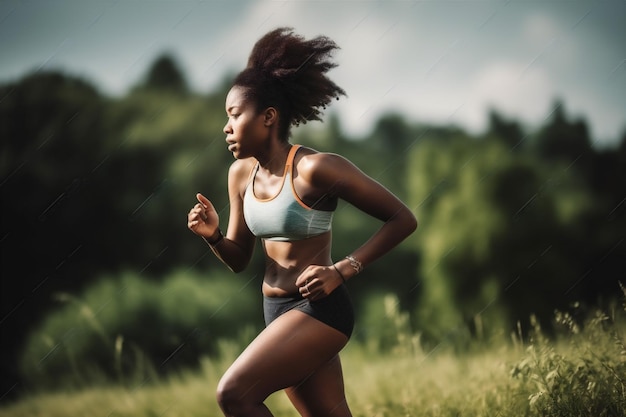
(202, 218)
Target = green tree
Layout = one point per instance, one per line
(564, 141)
(508, 131)
(457, 224)
(52, 133)
(165, 74)
(499, 233)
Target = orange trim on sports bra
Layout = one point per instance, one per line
(288, 169)
(290, 164)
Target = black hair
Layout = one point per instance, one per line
(288, 72)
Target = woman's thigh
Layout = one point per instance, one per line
(322, 394)
(288, 351)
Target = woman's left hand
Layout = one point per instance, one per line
(318, 281)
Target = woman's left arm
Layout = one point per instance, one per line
(347, 182)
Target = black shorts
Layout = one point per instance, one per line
(334, 310)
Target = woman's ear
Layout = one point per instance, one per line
(271, 116)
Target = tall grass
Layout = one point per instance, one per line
(128, 329)
(580, 372)
(584, 374)
(439, 384)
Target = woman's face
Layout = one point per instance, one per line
(246, 131)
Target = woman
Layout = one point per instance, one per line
(285, 195)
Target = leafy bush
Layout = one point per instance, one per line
(384, 328)
(132, 329)
(585, 377)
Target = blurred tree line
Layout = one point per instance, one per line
(512, 223)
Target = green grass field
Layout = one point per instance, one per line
(581, 372)
(382, 385)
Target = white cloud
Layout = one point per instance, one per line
(539, 28)
(512, 88)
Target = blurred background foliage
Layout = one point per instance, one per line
(101, 277)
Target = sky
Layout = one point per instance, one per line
(436, 62)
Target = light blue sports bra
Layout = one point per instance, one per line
(283, 217)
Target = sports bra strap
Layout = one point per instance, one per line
(288, 165)
(291, 156)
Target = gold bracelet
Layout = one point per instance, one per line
(355, 263)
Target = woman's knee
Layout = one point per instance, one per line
(235, 398)
(227, 394)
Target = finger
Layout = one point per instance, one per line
(306, 275)
(194, 214)
(313, 292)
(198, 211)
(306, 291)
(203, 200)
(303, 287)
(197, 214)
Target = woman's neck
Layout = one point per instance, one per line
(274, 158)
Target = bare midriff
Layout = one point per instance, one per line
(287, 260)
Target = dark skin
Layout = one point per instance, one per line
(295, 352)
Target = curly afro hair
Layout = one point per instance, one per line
(288, 72)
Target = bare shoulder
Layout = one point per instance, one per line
(323, 166)
(239, 172)
(241, 168)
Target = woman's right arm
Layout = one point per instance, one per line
(236, 248)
